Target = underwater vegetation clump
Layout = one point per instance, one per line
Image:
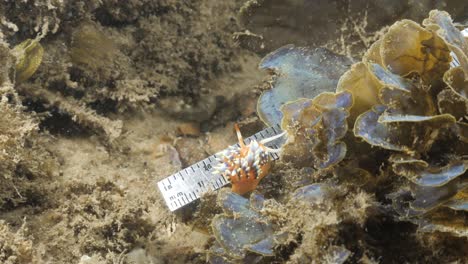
(95, 60)
(242, 228)
(295, 67)
(317, 214)
(316, 128)
(15, 247)
(412, 105)
(309, 219)
(414, 119)
(387, 151)
(23, 156)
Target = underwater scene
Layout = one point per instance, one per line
(237, 131)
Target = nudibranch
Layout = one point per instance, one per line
(246, 165)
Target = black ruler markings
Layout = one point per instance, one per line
(190, 183)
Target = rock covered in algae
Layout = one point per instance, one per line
(100, 57)
(23, 157)
(242, 228)
(299, 72)
(258, 229)
(15, 247)
(93, 51)
(29, 54)
(315, 213)
(15, 129)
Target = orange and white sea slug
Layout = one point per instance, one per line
(246, 165)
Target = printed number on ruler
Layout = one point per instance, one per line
(190, 183)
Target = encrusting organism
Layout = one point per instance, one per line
(246, 165)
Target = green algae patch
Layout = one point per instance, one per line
(29, 57)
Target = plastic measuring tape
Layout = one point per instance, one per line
(187, 185)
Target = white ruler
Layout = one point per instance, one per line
(189, 184)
